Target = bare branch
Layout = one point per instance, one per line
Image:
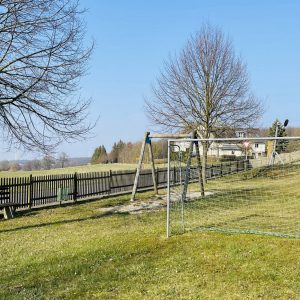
(42, 58)
(205, 88)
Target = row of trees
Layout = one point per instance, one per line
(127, 152)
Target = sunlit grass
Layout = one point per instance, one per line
(79, 169)
(260, 200)
(82, 252)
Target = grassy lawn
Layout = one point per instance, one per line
(259, 200)
(68, 170)
(80, 252)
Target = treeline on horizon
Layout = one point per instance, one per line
(129, 152)
(126, 152)
(46, 163)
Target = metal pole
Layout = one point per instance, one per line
(180, 181)
(169, 136)
(168, 193)
(267, 138)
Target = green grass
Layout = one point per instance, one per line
(79, 252)
(69, 170)
(260, 200)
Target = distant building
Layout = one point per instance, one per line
(254, 148)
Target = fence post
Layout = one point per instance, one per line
(174, 175)
(30, 191)
(221, 169)
(245, 165)
(109, 181)
(75, 191)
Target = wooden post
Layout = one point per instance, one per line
(152, 164)
(138, 170)
(29, 195)
(110, 181)
(75, 191)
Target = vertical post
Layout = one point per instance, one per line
(138, 170)
(221, 169)
(75, 191)
(168, 192)
(110, 181)
(148, 141)
(274, 146)
(246, 165)
(30, 192)
(187, 173)
(174, 175)
(200, 177)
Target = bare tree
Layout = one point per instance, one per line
(63, 159)
(28, 166)
(42, 58)
(14, 166)
(36, 164)
(4, 165)
(48, 162)
(204, 88)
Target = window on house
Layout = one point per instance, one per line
(256, 145)
(241, 134)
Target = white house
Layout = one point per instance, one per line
(254, 148)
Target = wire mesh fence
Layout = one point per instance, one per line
(260, 194)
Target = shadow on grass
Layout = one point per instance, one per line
(40, 225)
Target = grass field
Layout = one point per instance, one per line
(83, 252)
(265, 200)
(69, 170)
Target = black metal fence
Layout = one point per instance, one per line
(42, 190)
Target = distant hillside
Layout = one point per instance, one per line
(79, 161)
(72, 161)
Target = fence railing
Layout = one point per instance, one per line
(43, 190)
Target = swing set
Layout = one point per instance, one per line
(147, 141)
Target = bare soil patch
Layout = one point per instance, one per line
(153, 203)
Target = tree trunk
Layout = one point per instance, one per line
(204, 161)
(200, 170)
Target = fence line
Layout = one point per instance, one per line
(42, 190)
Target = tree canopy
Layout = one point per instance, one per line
(204, 88)
(42, 59)
(281, 145)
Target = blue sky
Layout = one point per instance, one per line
(133, 38)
